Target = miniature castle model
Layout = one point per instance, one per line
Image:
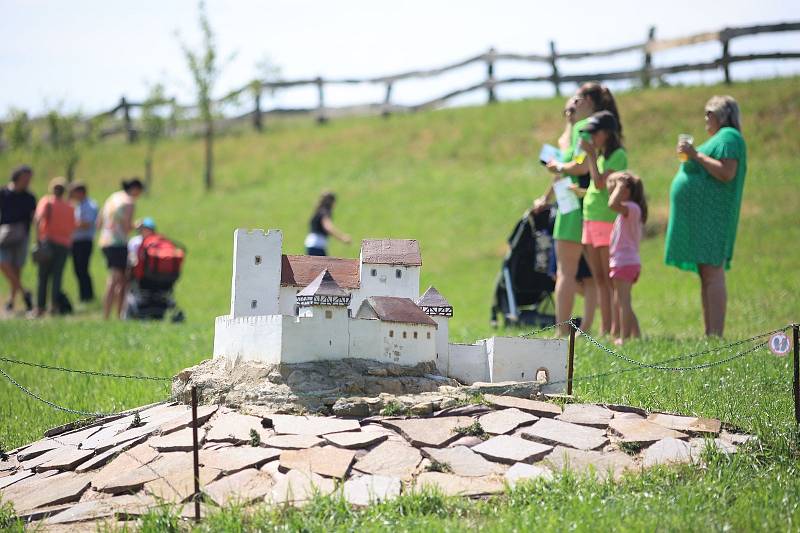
(298, 308)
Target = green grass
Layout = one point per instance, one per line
(456, 180)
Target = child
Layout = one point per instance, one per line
(627, 199)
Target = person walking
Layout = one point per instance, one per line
(85, 219)
(115, 222)
(321, 225)
(705, 200)
(55, 225)
(17, 206)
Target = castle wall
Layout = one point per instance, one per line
(256, 276)
(321, 336)
(407, 344)
(385, 282)
(468, 363)
(520, 359)
(253, 338)
(442, 343)
(288, 300)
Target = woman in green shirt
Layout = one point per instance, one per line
(605, 155)
(590, 98)
(705, 200)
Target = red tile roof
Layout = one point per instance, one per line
(301, 270)
(394, 309)
(391, 252)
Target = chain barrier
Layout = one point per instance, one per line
(546, 328)
(85, 372)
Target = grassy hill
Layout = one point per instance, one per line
(457, 180)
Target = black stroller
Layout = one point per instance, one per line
(524, 288)
(158, 267)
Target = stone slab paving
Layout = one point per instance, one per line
(298, 487)
(699, 445)
(436, 432)
(509, 449)
(586, 414)
(524, 472)
(178, 441)
(37, 448)
(12, 463)
(233, 459)
(453, 485)
(600, 464)
(175, 480)
(391, 459)
(52, 490)
(130, 504)
(534, 407)
(367, 489)
(293, 442)
(243, 487)
(67, 458)
(667, 451)
(556, 432)
(103, 458)
(470, 441)
(127, 462)
(462, 461)
(311, 425)
(505, 421)
(233, 427)
(327, 461)
(688, 424)
(204, 413)
(619, 408)
(641, 431)
(355, 440)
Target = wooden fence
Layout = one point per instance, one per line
(643, 75)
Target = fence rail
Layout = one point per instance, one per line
(644, 75)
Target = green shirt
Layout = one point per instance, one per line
(569, 227)
(595, 203)
(704, 211)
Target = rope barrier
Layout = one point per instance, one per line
(85, 372)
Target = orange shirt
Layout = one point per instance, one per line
(56, 220)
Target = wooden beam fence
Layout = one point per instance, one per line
(644, 75)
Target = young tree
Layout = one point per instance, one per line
(205, 69)
(19, 129)
(63, 139)
(153, 127)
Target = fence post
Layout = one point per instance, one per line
(126, 117)
(490, 56)
(385, 112)
(725, 59)
(195, 456)
(571, 360)
(554, 65)
(321, 118)
(648, 57)
(796, 384)
(257, 124)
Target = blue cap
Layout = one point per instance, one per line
(149, 223)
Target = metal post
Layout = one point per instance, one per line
(571, 360)
(196, 458)
(796, 347)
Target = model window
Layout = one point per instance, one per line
(398, 273)
(429, 334)
(253, 304)
(405, 334)
(415, 334)
(374, 272)
(328, 314)
(258, 259)
(391, 333)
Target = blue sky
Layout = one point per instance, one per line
(85, 54)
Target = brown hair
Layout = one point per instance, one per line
(325, 202)
(636, 187)
(602, 99)
(57, 186)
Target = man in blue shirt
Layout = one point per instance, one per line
(85, 217)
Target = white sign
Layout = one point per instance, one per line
(565, 197)
(779, 344)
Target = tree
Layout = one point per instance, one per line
(205, 69)
(19, 129)
(63, 138)
(153, 127)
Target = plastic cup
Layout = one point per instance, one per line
(688, 139)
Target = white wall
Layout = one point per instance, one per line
(519, 359)
(407, 351)
(442, 343)
(386, 283)
(315, 337)
(254, 338)
(468, 362)
(256, 276)
(288, 300)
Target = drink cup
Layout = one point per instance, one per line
(688, 139)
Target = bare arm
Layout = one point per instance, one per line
(722, 169)
(615, 201)
(327, 223)
(127, 222)
(572, 168)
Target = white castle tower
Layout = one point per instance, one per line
(256, 280)
(439, 309)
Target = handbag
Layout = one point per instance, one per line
(42, 253)
(13, 233)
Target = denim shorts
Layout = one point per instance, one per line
(16, 254)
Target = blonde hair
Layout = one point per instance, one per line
(726, 110)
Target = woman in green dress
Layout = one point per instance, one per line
(705, 200)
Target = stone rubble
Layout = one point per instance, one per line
(117, 470)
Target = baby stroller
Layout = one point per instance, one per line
(158, 267)
(524, 288)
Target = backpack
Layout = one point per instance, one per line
(159, 259)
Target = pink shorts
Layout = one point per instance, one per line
(597, 233)
(628, 273)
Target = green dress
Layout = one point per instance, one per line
(704, 211)
(569, 227)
